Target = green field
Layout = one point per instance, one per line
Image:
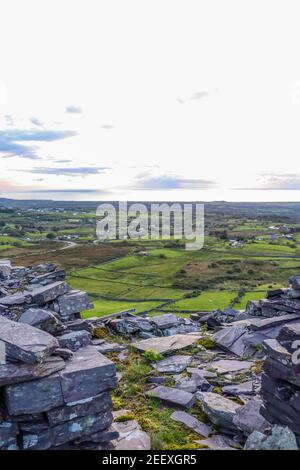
(152, 279)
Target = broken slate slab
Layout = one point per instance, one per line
(42, 295)
(73, 302)
(218, 442)
(167, 320)
(244, 388)
(78, 428)
(15, 299)
(86, 375)
(74, 340)
(258, 324)
(172, 396)
(106, 347)
(8, 434)
(12, 373)
(26, 343)
(192, 423)
(166, 344)
(131, 436)
(173, 364)
(248, 418)
(88, 407)
(224, 366)
(42, 319)
(220, 410)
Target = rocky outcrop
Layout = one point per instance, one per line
(54, 383)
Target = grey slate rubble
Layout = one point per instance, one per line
(167, 324)
(54, 384)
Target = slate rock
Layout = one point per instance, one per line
(218, 442)
(288, 334)
(165, 344)
(192, 423)
(86, 375)
(172, 396)
(64, 353)
(220, 410)
(78, 428)
(88, 407)
(5, 268)
(12, 373)
(48, 278)
(8, 434)
(42, 295)
(173, 364)
(74, 340)
(281, 438)
(73, 302)
(42, 319)
(188, 385)
(166, 320)
(224, 366)
(131, 436)
(15, 299)
(248, 418)
(106, 347)
(26, 343)
(228, 337)
(244, 388)
(295, 282)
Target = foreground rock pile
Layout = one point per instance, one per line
(54, 383)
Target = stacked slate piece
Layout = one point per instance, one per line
(281, 375)
(54, 384)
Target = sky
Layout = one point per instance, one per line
(150, 100)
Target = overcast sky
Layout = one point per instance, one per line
(150, 99)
